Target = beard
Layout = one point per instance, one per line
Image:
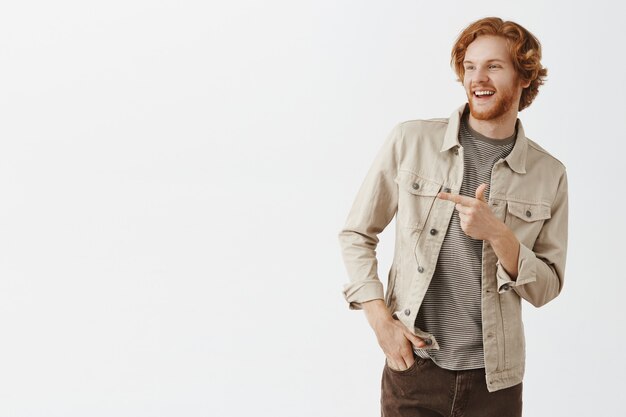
(500, 105)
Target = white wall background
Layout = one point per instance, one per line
(173, 175)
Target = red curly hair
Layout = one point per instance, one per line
(524, 48)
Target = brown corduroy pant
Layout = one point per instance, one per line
(426, 390)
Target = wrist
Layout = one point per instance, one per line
(500, 234)
(377, 313)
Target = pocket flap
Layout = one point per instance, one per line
(417, 185)
(528, 212)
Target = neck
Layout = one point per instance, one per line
(500, 128)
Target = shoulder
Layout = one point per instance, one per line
(418, 124)
(419, 128)
(417, 142)
(536, 153)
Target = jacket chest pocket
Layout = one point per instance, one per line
(416, 196)
(526, 220)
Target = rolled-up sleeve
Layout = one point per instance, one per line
(541, 270)
(374, 207)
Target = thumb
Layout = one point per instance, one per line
(414, 339)
(480, 192)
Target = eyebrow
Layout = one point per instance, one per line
(489, 60)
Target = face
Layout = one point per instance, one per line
(491, 83)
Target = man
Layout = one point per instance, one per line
(481, 222)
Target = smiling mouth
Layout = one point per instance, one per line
(483, 93)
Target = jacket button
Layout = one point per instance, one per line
(433, 232)
(528, 213)
(506, 287)
(420, 269)
(456, 151)
(416, 186)
(446, 190)
(428, 342)
(407, 312)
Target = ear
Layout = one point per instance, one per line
(525, 84)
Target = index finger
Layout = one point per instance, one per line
(460, 199)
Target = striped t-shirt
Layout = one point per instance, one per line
(451, 309)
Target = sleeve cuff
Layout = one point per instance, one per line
(526, 271)
(360, 292)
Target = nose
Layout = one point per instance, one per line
(480, 75)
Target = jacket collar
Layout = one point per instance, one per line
(516, 159)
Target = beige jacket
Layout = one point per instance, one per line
(528, 192)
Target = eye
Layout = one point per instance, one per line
(469, 67)
(494, 66)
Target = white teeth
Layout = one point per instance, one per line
(484, 93)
